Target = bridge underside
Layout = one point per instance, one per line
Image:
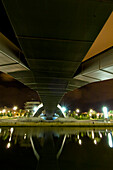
(54, 37)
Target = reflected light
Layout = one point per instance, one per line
(110, 140)
(92, 135)
(10, 139)
(8, 145)
(25, 136)
(95, 142)
(80, 142)
(77, 136)
(11, 130)
(100, 134)
(54, 118)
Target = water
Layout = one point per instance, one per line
(56, 148)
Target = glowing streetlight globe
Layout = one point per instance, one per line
(63, 109)
(105, 111)
(4, 110)
(77, 110)
(91, 110)
(15, 108)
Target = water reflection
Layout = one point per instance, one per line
(56, 148)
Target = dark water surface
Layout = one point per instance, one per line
(56, 148)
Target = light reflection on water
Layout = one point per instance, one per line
(56, 148)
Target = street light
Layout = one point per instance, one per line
(63, 109)
(4, 110)
(91, 111)
(15, 108)
(105, 111)
(77, 110)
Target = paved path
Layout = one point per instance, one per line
(66, 122)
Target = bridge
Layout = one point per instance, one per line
(57, 45)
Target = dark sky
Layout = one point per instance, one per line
(13, 92)
(93, 95)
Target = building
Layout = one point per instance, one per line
(29, 106)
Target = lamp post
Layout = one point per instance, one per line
(105, 111)
(77, 110)
(15, 108)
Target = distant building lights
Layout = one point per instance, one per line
(90, 114)
(4, 110)
(97, 115)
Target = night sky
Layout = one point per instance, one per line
(13, 92)
(93, 95)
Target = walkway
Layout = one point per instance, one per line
(60, 122)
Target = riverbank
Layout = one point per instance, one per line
(60, 122)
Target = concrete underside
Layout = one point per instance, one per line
(54, 37)
(61, 122)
